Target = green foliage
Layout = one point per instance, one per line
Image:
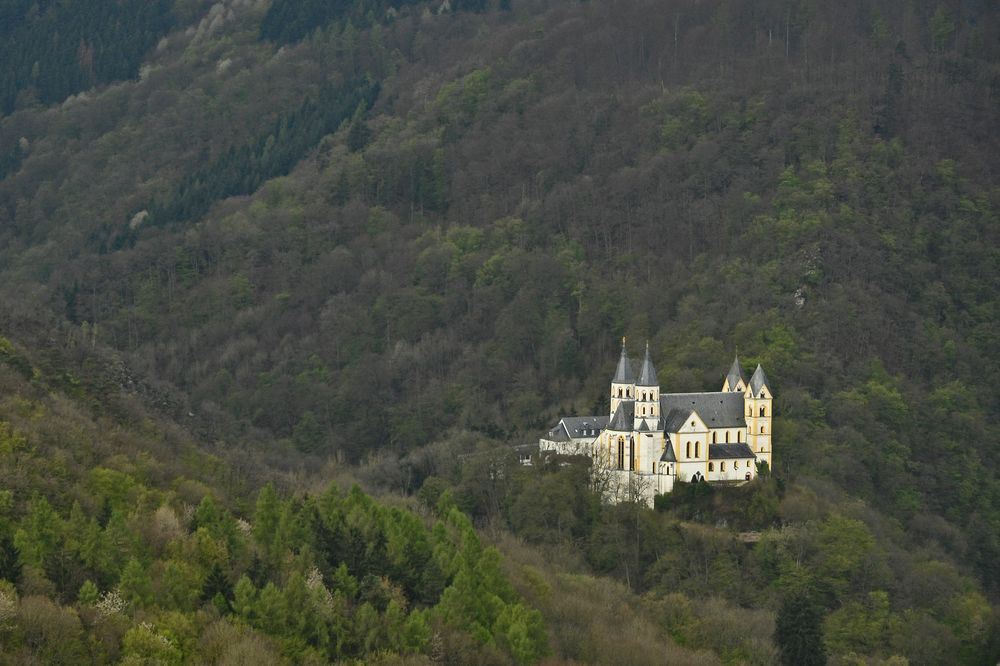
(242, 169)
(53, 50)
(798, 632)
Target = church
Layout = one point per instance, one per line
(651, 439)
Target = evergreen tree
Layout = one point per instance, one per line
(10, 560)
(798, 631)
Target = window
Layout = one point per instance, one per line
(763, 411)
(762, 393)
(697, 449)
(715, 438)
(643, 411)
(736, 464)
(739, 435)
(689, 449)
(621, 453)
(727, 437)
(692, 424)
(722, 467)
(711, 467)
(762, 431)
(619, 393)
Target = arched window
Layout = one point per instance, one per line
(689, 449)
(715, 438)
(619, 392)
(748, 476)
(621, 453)
(722, 467)
(736, 464)
(739, 435)
(644, 411)
(697, 449)
(763, 411)
(762, 393)
(762, 431)
(711, 467)
(727, 437)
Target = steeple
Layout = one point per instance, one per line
(735, 376)
(623, 375)
(647, 375)
(759, 380)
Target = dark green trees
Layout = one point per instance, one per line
(798, 631)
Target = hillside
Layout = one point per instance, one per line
(388, 234)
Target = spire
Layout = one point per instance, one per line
(759, 379)
(735, 374)
(647, 376)
(623, 375)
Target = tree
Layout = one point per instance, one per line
(308, 433)
(10, 560)
(941, 27)
(798, 631)
(135, 586)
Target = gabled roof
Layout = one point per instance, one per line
(668, 454)
(623, 373)
(758, 380)
(736, 374)
(624, 417)
(717, 410)
(581, 426)
(647, 375)
(675, 419)
(729, 451)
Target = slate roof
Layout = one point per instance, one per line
(668, 454)
(647, 375)
(729, 451)
(675, 419)
(717, 410)
(623, 373)
(624, 417)
(581, 426)
(736, 374)
(557, 434)
(759, 379)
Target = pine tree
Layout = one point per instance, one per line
(798, 631)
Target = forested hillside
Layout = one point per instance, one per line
(400, 236)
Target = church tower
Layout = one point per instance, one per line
(758, 398)
(647, 394)
(623, 383)
(735, 381)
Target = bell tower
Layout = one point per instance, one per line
(623, 383)
(647, 394)
(758, 399)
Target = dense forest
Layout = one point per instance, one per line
(380, 242)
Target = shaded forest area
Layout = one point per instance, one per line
(452, 264)
(52, 50)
